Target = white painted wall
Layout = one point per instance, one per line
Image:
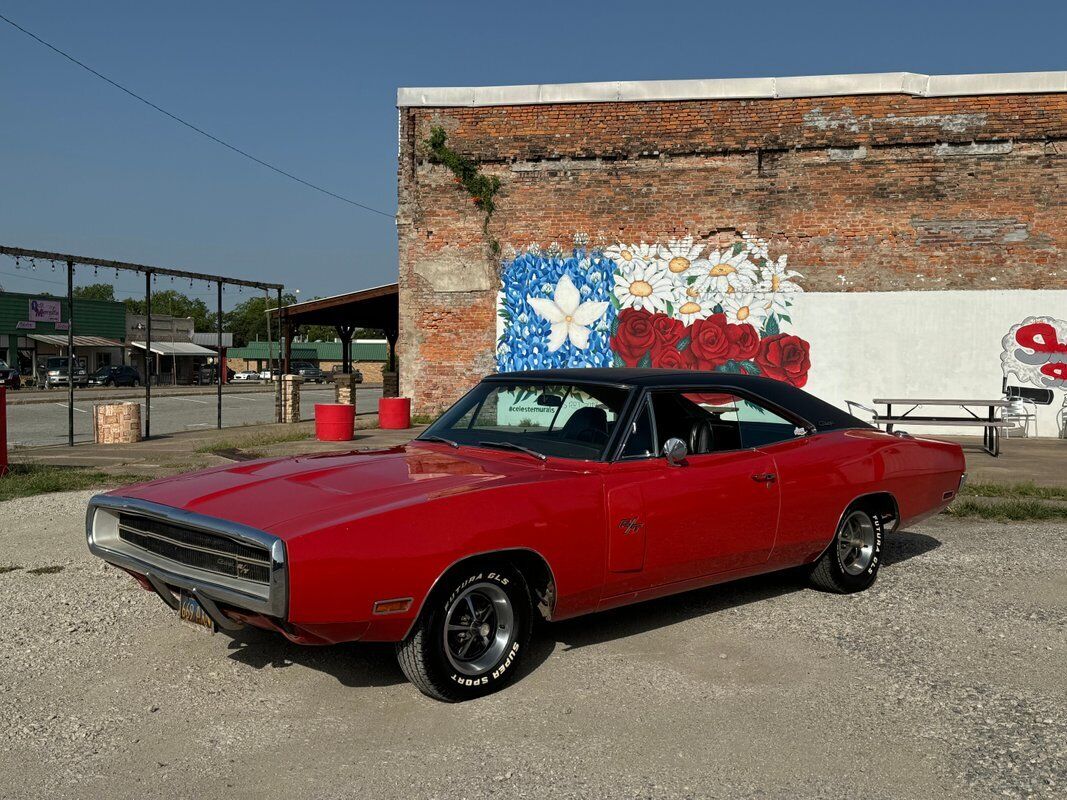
(917, 344)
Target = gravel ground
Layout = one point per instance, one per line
(947, 679)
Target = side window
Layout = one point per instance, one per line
(761, 427)
(640, 443)
(717, 422)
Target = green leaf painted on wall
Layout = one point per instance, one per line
(615, 301)
(684, 344)
(616, 360)
(615, 325)
(749, 367)
(670, 308)
(717, 309)
(770, 327)
(738, 247)
(646, 361)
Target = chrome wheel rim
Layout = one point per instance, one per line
(478, 628)
(855, 543)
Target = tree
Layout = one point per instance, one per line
(248, 320)
(175, 304)
(95, 291)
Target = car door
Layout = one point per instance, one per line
(715, 512)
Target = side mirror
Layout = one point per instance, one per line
(675, 451)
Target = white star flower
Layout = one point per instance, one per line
(568, 316)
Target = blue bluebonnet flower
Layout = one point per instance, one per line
(524, 341)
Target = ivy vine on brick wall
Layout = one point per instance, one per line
(481, 188)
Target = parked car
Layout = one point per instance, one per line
(338, 369)
(308, 371)
(115, 375)
(9, 376)
(554, 492)
(53, 372)
(270, 374)
(209, 374)
(246, 375)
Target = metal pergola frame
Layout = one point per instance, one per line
(148, 271)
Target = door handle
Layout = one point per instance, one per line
(765, 477)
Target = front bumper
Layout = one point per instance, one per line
(270, 599)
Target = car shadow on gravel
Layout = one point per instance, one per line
(628, 621)
(355, 664)
(373, 664)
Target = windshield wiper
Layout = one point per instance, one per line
(513, 446)
(433, 437)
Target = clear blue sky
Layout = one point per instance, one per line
(310, 86)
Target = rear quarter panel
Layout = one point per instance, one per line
(820, 476)
(337, 572)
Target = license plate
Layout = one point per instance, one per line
(192, 613)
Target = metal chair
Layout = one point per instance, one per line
(1020, 413)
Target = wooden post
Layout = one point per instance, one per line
(3, 427)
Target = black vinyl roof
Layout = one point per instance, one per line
(807, 406)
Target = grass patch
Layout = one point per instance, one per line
(422, 419)
(1027, 489)
(256, 440)
(1007, 510)
(26, 480)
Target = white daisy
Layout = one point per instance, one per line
(778, 285)
(744, 307)
(628, 253)
(756, 247)
(726, 273)
(681, 255)
(639, 285)
(691, 304)
(569, 317)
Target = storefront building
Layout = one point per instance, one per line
(35, 327)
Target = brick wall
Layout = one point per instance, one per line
(865, 193)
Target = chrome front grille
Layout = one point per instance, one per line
(228, 562)
(207, 551)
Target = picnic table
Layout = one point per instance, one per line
(990, 423)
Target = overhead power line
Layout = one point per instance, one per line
(193, 127)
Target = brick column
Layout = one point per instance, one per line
(117, 423)
(390, 384)
(344, 389)
(291, 397)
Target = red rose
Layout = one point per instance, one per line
(669, 331)
(670, 357)
(634, 337)
(784, 357)
(710, 344)
(744, 341)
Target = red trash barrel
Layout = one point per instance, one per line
(394, 413)
(334, 422)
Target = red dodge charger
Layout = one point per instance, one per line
(539, 494)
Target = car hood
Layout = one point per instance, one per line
(273, 494)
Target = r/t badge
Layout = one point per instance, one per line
(630, 525)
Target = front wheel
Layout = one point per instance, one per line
(851, 562)
(470, 636)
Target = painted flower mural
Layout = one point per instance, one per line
(677, 305)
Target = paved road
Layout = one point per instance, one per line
(46, 423)
(945, 680)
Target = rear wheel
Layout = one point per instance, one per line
(470, 635)
(851, 562)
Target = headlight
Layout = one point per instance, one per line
(52, 373)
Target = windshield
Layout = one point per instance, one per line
(561, 420)
(3, 364)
